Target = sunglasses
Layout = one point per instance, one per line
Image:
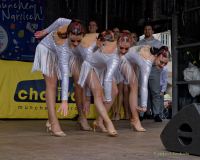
(163, 63)
(121, 48)
(73, 41)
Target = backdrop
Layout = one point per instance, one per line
(19, 19)
(22, 93)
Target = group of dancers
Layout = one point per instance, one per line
(97, 63)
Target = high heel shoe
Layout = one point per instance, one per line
(112, 133)
(58, 134)
(84, 125)
(48, 126)
(101, 127)
(136, 125)
(49, 130)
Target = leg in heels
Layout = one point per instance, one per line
(111, 130)
(54, 133)
(136, 125)
(52, 124)
(83, 123)
(98, 125)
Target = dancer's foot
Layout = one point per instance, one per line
(136, 125)
(84, 124)
(48, 126)
(58, 134)
(111, 130)
(54, 130)
(98, 125)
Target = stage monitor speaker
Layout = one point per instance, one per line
(182, 133)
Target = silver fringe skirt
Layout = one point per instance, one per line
(46, 61)
(127, 71)
(85, 69)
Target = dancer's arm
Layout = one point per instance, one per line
(63, 58)
(56, 24)
(164, 77)
(141, 56)
(112, 66)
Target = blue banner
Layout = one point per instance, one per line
(19, 19)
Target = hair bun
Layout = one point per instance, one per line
(106, 36)
(125, 37)
(76, 27)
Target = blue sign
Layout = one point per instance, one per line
(19, 19)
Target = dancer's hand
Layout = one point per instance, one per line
(63, 109)
(106, 101)
(40, 34)
(141, 109)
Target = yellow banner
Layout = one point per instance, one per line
(22, 93)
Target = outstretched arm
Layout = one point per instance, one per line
(111, 69)
(63, 58)
(58, 23)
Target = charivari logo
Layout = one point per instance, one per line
(34, 91)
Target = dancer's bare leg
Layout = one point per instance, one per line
(86, 102)
(120, 101)
(51, 85)
(108, 106)
(133, 101)
(126, 101)
(96, 88)
(79, 100)
(114, 108)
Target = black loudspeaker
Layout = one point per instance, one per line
(182, 133)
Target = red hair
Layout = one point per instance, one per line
(107, 35)
(76, 28)
(125, 37)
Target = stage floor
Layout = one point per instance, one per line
(27, 140)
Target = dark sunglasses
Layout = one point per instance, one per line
(73, 41)
(163, 63)
(124, 48)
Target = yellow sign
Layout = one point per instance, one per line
(22, 93)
